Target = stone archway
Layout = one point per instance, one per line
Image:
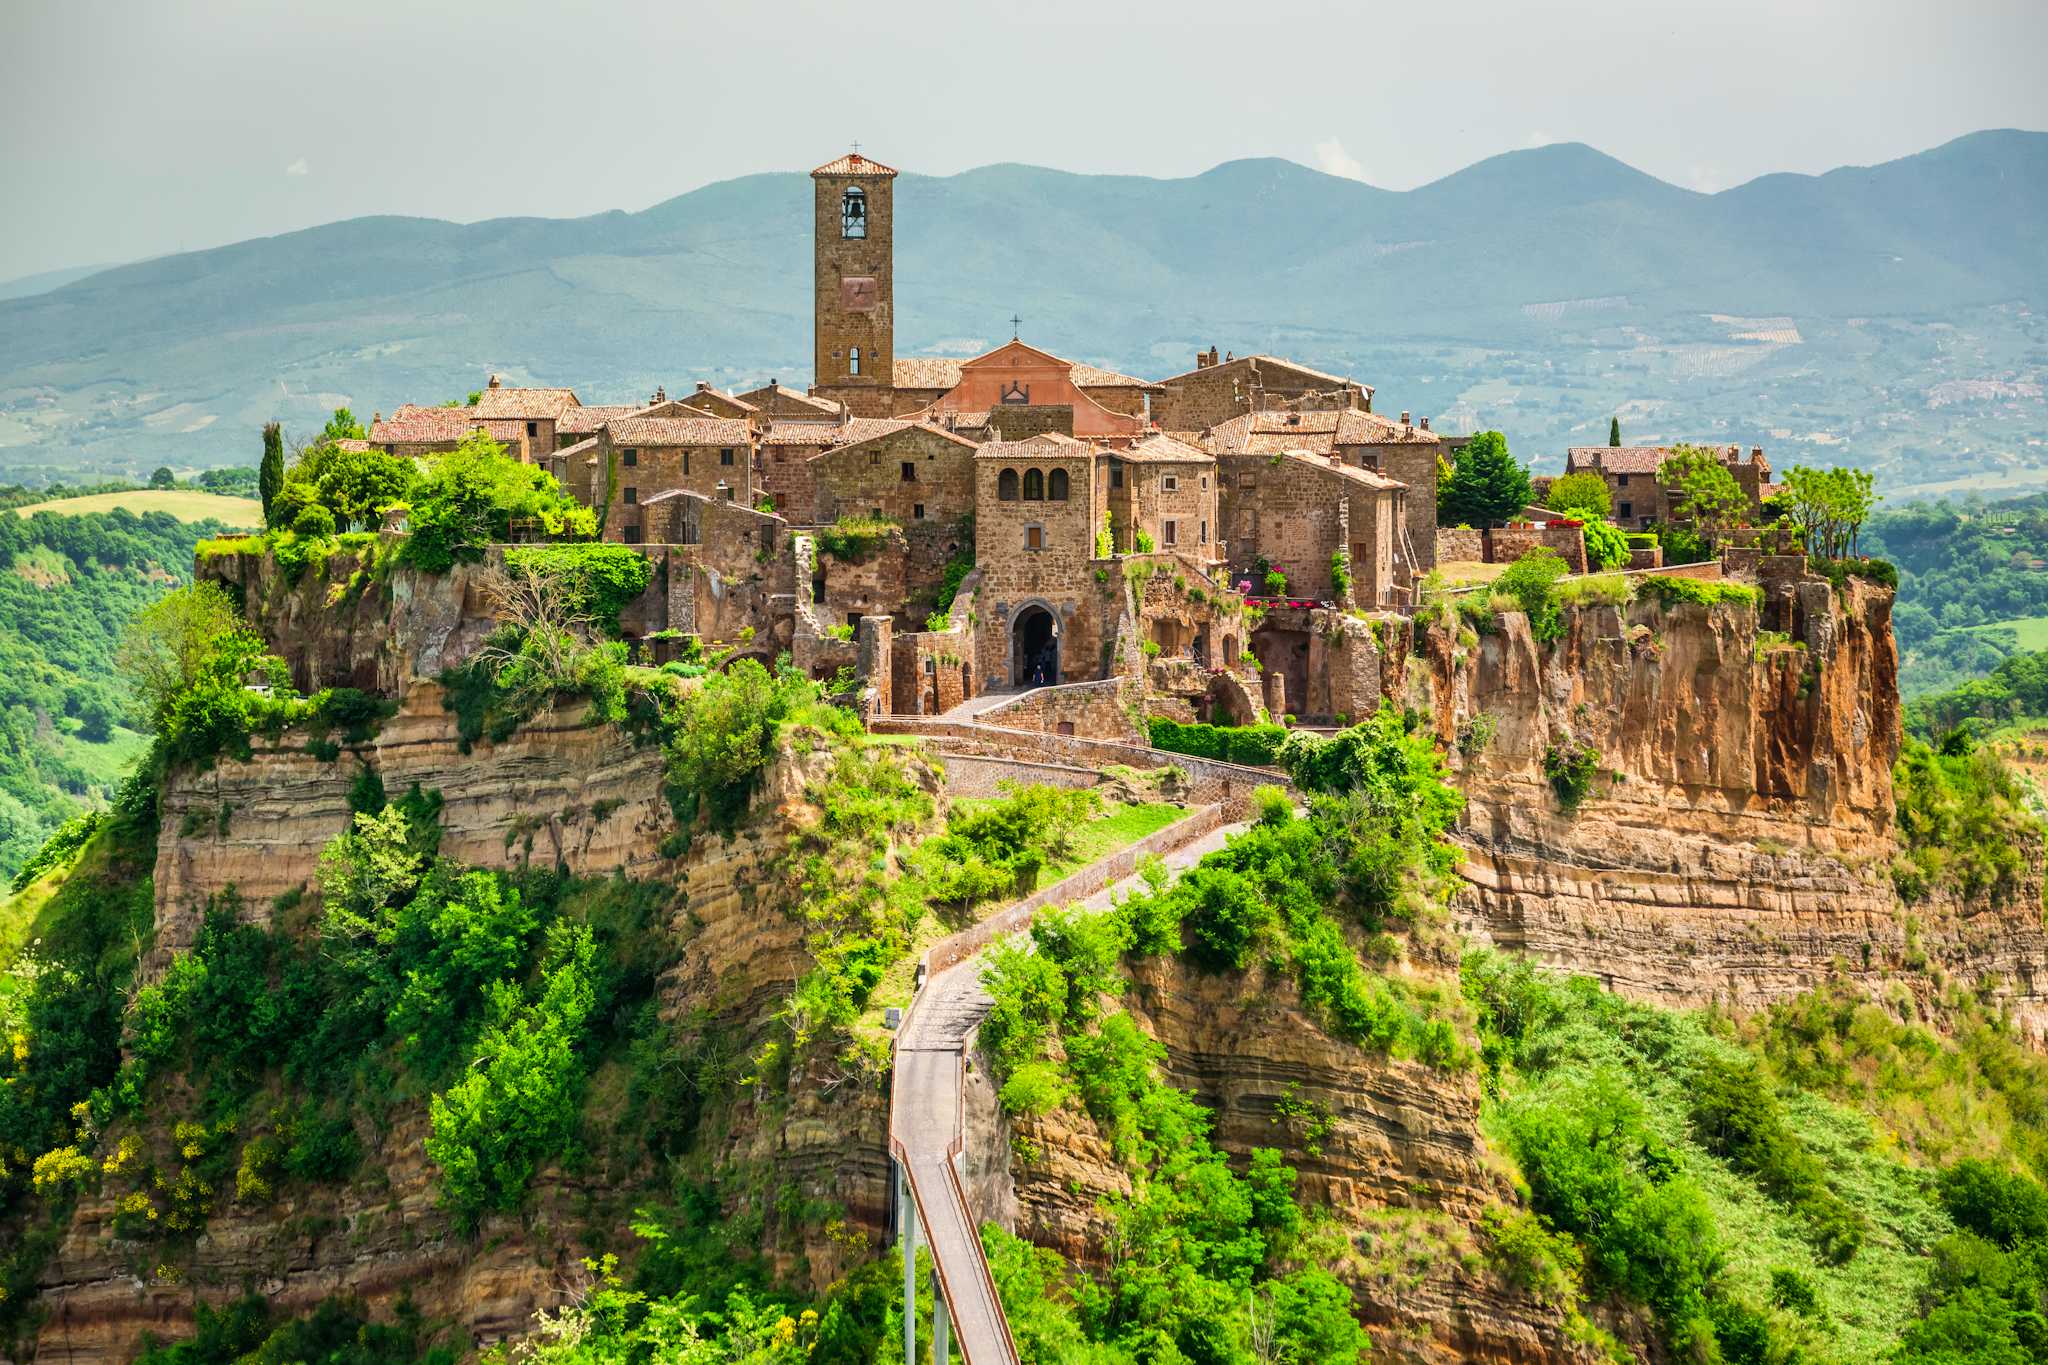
(1034, 647)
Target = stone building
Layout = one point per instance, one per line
(1293, 512)
(1630, 472)
(1166, 490)
(413, 430)
(1037, 511)
(716, 403)
(522, 420)
(639, 457)
(778, 402)
(581, 423)
(1216, 391)
(854, 284)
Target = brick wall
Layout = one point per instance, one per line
(783, 475)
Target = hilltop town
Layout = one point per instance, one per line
(950, 528)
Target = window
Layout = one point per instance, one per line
(1621, 481)
(1116, 474)
(1034, 485)
(909, 472)
(1626, 510)
(533, 428)
(1205, 483)
(725, 490)
(1170, 533)
(1006, 486)
(917, 512)
(853, 212)
(1244, 481)
(725, 455)
(631, 535)
(686, 462)
(632, 496)
(1056, 486)
(874, 458)
(1205, 533)
(853, 360)
(1171, 483)
(632, 458)
(1034, 537)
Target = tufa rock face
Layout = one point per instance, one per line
(1403, 1162)
(1736, 841)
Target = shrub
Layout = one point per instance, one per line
(1603, 589)
(1275, 583)
(1253, 745)
(470, 497)
(1709, 592)
(1962, 820)
(1530, 581)
(1271, 806)
(1606, 545)
(853, 539)
(313, 522)
(1340, 574)
(599, 579)
(1570, 767)
(1839, 571)
(1582, 494)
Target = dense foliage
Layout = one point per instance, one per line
(1963, 822)
(1964, 568)
(68, 586)
(470, 498)
(1256, 745)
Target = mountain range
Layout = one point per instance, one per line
(1886, 316)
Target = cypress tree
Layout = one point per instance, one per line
(1614, 431)
(270, 474)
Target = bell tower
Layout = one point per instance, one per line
(854, 304)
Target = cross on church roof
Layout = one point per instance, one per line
(1015, 323)
(856, 146)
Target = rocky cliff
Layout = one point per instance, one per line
(1735, 841)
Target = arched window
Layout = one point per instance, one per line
(853, 360)
(853, 212)
(1056, 486)
(1034, 485)
(1006, 485)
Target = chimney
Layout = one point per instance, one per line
(375, 418)
(1425, 424)
(1756, 454)
(1404, 420)
(494, 382)
(703, 386)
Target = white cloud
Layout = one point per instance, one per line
(1332, 159)
(298, 167)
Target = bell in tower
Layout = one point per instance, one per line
(853, 212)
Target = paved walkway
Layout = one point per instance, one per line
(972, 708)
(926, 1127)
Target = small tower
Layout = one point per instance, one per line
(854, 309)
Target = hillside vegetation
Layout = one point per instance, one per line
(185, 505)
(69, 584)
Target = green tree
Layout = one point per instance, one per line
(1702, 490)
(1584, 494)
(1486, 485)
(1606, 545)
(1614, 431)
(342, 426)
(270, 473)
(167, 647)
(1830, 506)
(162, 477)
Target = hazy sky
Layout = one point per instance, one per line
(135, 127)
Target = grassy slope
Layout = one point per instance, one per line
(2030, 632)
(180, 503)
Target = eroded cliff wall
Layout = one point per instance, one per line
(1736, 840)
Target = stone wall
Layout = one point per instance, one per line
(1506, 544)
(1057, 577)
(1091, 710)
(907, 476)
(1461, 544)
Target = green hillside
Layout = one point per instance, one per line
(1879, 309)
(68, 586)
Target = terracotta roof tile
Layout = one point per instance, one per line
(524, 404)
(413, 424)
(581, 421)
(1047, 445)
(354, 445)
(853, 163)
(678, 431)
(1333, 380)
(925, 372)
(1164, 449)
(833, 433)
(1095, 377)
(767, 393)
(1633, 459)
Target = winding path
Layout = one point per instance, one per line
(926, 1130)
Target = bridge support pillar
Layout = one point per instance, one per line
(942, 1325)
(906, 1238)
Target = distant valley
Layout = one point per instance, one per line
(1887, 316)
